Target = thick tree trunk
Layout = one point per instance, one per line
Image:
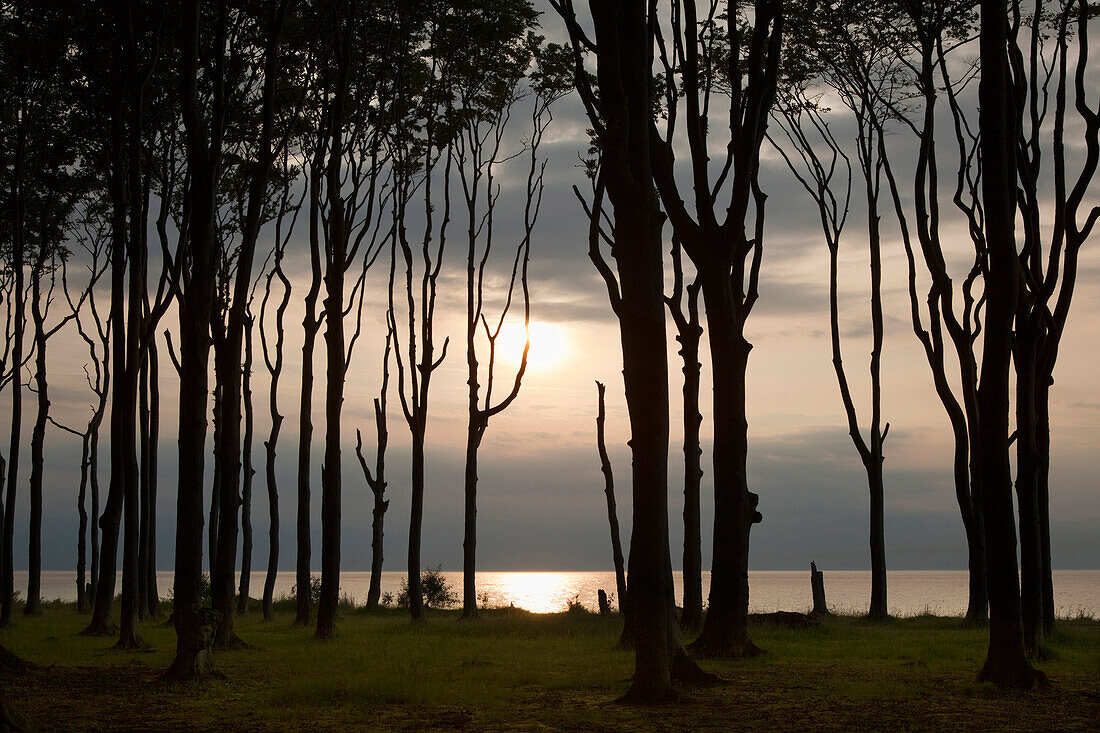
(1006, 663)
(331, 470)
(725, 631)
(192, 659)
(977, 606)
(228, 459)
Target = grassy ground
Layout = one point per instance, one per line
(517, 671)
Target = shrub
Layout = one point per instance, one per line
(574, 607)
(204, 591)
(436, 591)
(314, 590)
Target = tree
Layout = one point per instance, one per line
(852, 51)
(612, 514)
(1006, 664)
(740, 60)
(203, 141)
(928, 34)
(688, 333)
(1047, 282)
(376, 480)
(274, 364)
(362, 78)
(228, 352)
(487, 87)
(40, 182)
(619, 104)
(418, 141)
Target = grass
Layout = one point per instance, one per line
(517, 671)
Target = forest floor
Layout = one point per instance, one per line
(512, 670)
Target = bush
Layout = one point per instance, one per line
(387, 599)
(436, 591)
(574, 607)
(204, 591)
(314, 590)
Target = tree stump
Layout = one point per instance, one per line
(605, 607)
(817, 586)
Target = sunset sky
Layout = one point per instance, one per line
(541, 504)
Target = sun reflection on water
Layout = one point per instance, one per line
(538, 592)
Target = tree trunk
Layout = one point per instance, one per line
(305, 439)
(7, 601)
(474, 434)
(416, 522)
(817, 589)
(272, 442)
(1042, 442)
(692, 617)
(878, 608)
(82, 529)
(725, 631)
(33, 605)
(214, 525)
(1027, 480)
(152, 594)
(310, 326)
(93, 535)
(1006, 663)
(612, 516)
(112, 510)
(379, 515)
(143, 472)
(193, 659)
(247, 472)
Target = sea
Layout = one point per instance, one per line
(910, 592)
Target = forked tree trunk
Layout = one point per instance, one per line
(192, 659)
(1006, 663)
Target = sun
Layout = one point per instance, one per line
(548, 345)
